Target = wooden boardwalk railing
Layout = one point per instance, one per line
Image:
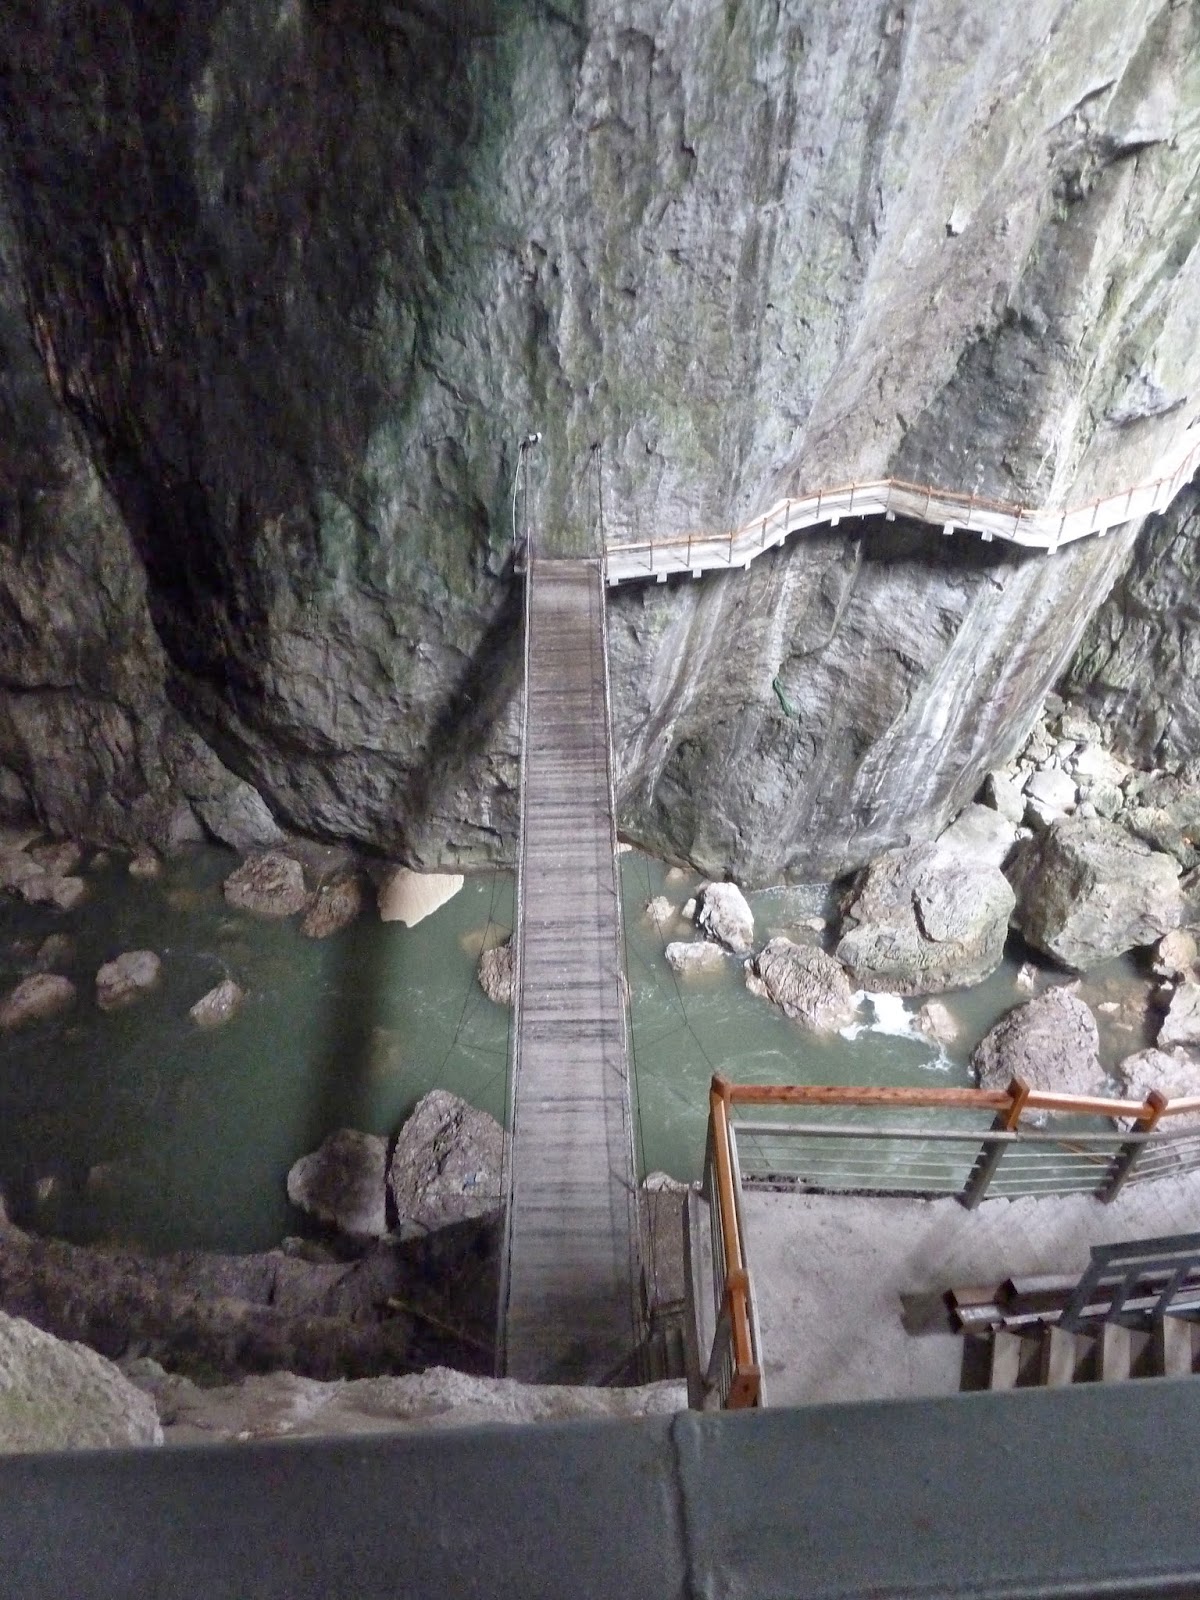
(1097, 1145)
(570, 1308)
(1038, 528)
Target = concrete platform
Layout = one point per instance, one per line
(836, 1277)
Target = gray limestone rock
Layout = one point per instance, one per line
(805, 983)
(1174, 1073)
(334, 907)
(59, 1396)
(59, 859)
(1053, 790)
(219, 1005)
(42, 995)
(695, 955)
(448, 1162)
(724, 914)
(925, 919)
(46, 889)
(125, 980)
(495, 973)
(270, 885)
(1176, 954)
(1181, 1025)
(344, 1183)
(937, 1023)
(1051, 1042)
(1005, 796)
(1087, 891)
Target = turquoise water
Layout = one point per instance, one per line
(153, 1132)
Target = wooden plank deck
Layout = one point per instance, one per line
(570, 1309)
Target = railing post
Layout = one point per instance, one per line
(1127, 1156)
(992, 1152)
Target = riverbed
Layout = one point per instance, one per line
(137, 1127)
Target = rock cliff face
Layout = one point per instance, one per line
(1138, 667)
(283, 282)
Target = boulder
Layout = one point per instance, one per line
(58, 859)
(123, 981)
(1004, 795)
(722, 912)
(496, 973)
(1051, 1042)
(409, 897)
(1052, 789)
(218, 1005)
(59, 1396)
(926, 918)
(448, 1162)
(1173, 1073)
(1086, 891)
(145, 864)
(16, 867)
(1176, 954)
(978, 835)
(270, 885)
(1167, 817)
(696, 955)
(936, 1022)
(805, 982)
(334, 907)
(660, 911)
(43, 995)
(344, 1183)
(46, 889)
(56, 950)
(1181, 1025)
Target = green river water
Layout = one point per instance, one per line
(165, 1136)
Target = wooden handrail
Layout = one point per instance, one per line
(996, 1100)
(744, 1388)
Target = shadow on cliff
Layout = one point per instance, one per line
(462, 729)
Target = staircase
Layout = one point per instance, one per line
(1049, 1356)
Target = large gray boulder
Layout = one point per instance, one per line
(44, 994)
(1181, 1025)
(59, 1396)
(1087, 891)
(1174, 1073)
(343, 1183)
(270, 885)
(724, 914)
(1051, 1042)
(448, 1162)
(124, 981)
(805, 982)
(495, 972)
(930, 917)
(690, 956)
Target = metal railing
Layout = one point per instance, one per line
(858, 1140)
(1033, 527)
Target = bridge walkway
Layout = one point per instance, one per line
(571, 1297)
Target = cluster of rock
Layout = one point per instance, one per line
(447, 1166)
(44, 874)
(1105, 845)
(271, 883)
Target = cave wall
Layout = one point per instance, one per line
(286, 283)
